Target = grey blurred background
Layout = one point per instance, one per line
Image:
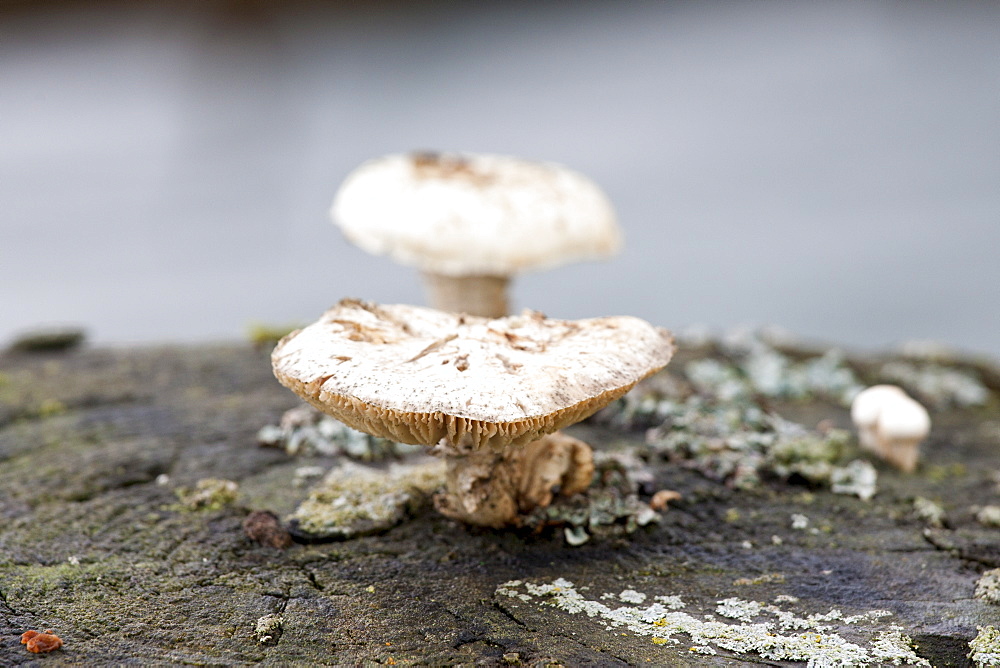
(832, 168)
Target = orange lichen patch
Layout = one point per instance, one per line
(39, 643)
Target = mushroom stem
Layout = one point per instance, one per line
(484, 296)
(493, 489)
(902, 453)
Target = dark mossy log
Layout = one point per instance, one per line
(96, 545)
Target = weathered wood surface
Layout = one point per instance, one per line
(93, 547)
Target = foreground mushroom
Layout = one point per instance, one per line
(470, 222)
(485, 394)
(891, 424)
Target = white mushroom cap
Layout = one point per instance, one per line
(868, 403)
(902, 418)
(418, 375)
(484, 215)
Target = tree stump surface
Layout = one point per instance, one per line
(95, 545)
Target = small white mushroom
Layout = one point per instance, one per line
(470, 222)
(865, 410)
(488, 395)
(891, 424)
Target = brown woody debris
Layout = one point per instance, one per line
(264, 527)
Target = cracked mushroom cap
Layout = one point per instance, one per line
(486, 215)
(417, 375)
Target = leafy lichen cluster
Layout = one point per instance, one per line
(354, 500)
(744, 627)
(268, 628)
(985, 647)
(740, 443)
(753, 366)
(305, 431)
(208, 494)
(714, 415)
(610, 507)
(988, 586)
(937, 385)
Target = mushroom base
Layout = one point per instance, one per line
(901, 453)
(484, 296)
(493, 489)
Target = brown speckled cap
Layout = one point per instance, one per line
(417, 375)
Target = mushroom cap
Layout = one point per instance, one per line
(418, 375)
(486, 215)
(868, 403)
(903, 418)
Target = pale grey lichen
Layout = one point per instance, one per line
(739, 443)
(858, 478)
(735, 608)
(671, 602)
(764, 630)
(758, 368)
(929, 511)
(766, 578)
(888, 646)
(355, 500)
(988, 587)
(631, 596)
(268, 628)
(937, 385)
(208, 494)
(694, 336)
(752, 373)
(610, 506)
(927, 350)
(988, 516)
(306, 431)
(711, 414)
(575, 536)
(307, 474)
(985, 647)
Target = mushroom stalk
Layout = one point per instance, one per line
(493, 489)
(484, 296)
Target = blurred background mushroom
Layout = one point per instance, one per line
(471, 222)
(830, 167)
